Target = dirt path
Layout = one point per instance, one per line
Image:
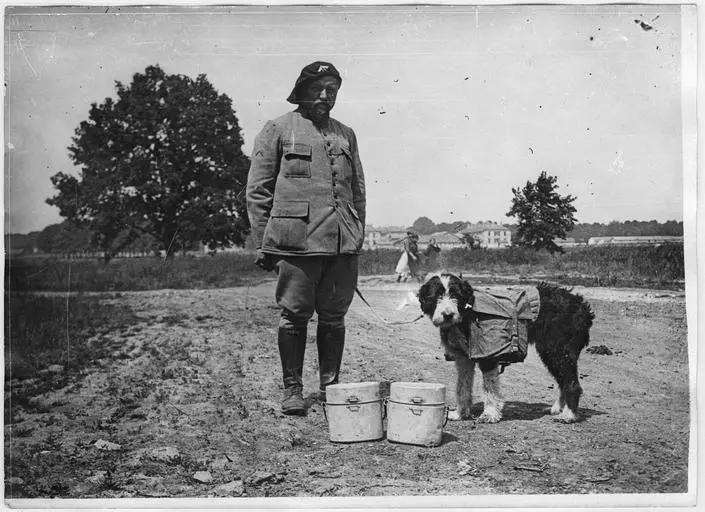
(195, 387)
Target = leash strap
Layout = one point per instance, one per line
(362, 297)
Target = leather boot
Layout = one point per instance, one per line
(292, 346)
(330, 341)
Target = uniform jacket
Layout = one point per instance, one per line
(306, 188)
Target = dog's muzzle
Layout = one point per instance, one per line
(446, 313)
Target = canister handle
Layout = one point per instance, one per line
(447, 408)
(325, 413)
(416, 400)
(352, 399)
(385, 402)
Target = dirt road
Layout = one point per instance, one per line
(188, 406)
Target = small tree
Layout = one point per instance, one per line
(423, 226)
(543, 214)
(165, 159)
(64, 238)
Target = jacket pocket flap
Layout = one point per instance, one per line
(290, 209)
(297, 149)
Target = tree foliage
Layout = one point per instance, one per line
(543, 214)
(164, 160)
(423, 226)
(65, 238)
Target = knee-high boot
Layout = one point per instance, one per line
(292, 347)
(330, 341)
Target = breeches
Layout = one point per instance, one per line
(321, 284)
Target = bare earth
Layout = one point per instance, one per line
(195, 387)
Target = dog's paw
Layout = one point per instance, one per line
(555, 408)
(566, 416)
(454, 416)
(489, 417)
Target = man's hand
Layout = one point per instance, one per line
(264, 261)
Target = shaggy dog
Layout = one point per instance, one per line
(560, 332)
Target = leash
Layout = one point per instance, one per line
(362, 297)
(359, 293)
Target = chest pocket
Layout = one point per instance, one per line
(296, 160)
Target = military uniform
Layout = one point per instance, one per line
(306, 205)
(306, 189)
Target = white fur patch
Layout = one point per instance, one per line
(446, 312)
(445, 281)
(454, 416)
(566, 415)
(494, 403)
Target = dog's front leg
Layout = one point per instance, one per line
(494, 403)
(463, 389)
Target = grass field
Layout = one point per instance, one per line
(653, 267)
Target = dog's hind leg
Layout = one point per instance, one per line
(494, 402)
(463, 388)
(564, 368)
(571, 391)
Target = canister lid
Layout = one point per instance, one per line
(353, 392)
(417, 393)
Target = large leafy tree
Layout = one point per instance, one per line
(543, 214)
(164, 160)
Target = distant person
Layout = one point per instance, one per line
(409, 261)
(306, 205)
(431, 255)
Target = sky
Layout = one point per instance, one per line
(453, 106)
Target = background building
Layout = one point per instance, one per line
(489, 234)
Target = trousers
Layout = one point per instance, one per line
(321, 284)
(307, 284)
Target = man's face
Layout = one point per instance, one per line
(318, 96)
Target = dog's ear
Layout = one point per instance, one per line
(428, 294)
(430, 276)
(468, 293)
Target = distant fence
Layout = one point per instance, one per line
(635, 240)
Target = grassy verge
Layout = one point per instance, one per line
(49, 274)
(652, 267)
(51, 339)
(647, 267)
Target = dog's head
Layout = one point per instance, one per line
(446, 299)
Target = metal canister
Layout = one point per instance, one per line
(416, 413)
(354, 412)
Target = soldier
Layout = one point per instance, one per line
(306, 205)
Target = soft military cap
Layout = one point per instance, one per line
(312, 72)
